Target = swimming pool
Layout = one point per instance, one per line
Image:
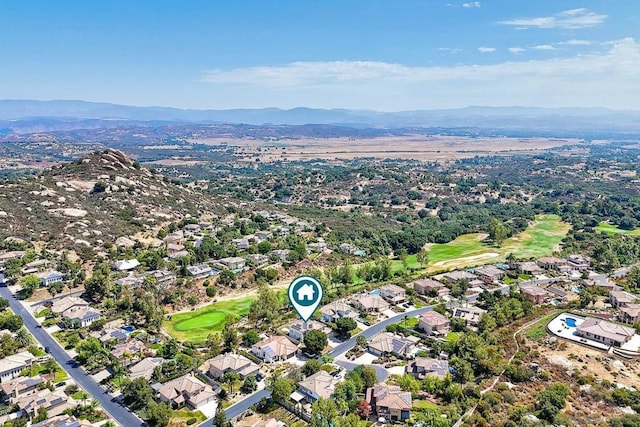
(570, 321)
(128, 329)
(576, 289)
(556, 301)
(375, 292)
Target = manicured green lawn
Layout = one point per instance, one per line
(196, 325)
(452, 336)
(605, 227)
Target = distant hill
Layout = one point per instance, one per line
(26, 116)
(90, 203)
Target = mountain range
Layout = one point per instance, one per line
(18, 115)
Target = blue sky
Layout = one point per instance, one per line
(366, 54)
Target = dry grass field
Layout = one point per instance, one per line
(418, 147)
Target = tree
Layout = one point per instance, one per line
(346, 396)
(370, 376)
(230, 332)
(315, 340)
(422, 257)
(99, 187)
(408, 383)
(311, 367)
(230, 378)
(220, 419)
(137, 394)
(497, 231)
(265, 307)
(552, 400)
(324, 413)
(249, 385)
(361, 341)
(41, 415)
(281, 388)
(344, 326)
(249, 338)
(159, 414)
(264, 247)
(227, 278)
(29, 284)
(211, 291)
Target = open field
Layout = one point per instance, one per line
(418, 147)
(610, 229)
(196, 325)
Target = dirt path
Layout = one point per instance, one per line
(497, 378)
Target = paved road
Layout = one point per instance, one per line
(115, 410)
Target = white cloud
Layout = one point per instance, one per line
(516, 50)
(575, 42)
(484, 49)
(471, 5)
(544, 47)
(610, 78)
(569, 19)
(449, 49)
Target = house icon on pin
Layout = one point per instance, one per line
(305, 292)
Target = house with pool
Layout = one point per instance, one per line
(605, 332)
(597, 333)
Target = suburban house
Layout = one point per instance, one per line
(429, 287)
(335, 310)
(21, 386)
(35, 266)
(229, 362)
(11, 366)
(126, 264)
(369, 302)
(144, 368)
(129, 352)
(82, 317)
(389, 402)
(579, 262)
(471, 315)
(6, 256)
(605, 332)
(433, 323)
(263, 235)
(233, 263)
(388, 343)
(598, 282)
(274, 349)
(199, 271)
(421, 367)
(241, 243)
(54, 402)
(489, 273)
(298, 330)
(317, 247)
(621, 299)
(630, 313)
(49, 277)
(534, 294)
(550, 262)
(530, 267)
(68, 304)
(455, 276)
(111, 334)
(258, 260)
(319, 385)
(186, 390)
(281, 254)
(175, 250)
(393, 293)
(163, 277)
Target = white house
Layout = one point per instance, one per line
(11, 366)
(126, 264)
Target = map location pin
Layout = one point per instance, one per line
(305, 295)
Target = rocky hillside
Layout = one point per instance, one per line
(93, 201)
